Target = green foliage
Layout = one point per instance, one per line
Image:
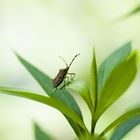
(134, 11)
(125, 127)
(91, 137)
(48, 101)
(46, 83)
(118, 81)
(107, 84)
(94, 84)
(40, 134)
(94, 90)
(81, 88)
(111, 62)
(123, 118)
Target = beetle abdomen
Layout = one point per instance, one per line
(60, 77)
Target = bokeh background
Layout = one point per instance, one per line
(42, 30)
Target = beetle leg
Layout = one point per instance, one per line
(66, 82)
(72, 75)
(54, 90)
(64, 85)
(66, 77)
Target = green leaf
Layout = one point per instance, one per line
(91, 137)
(134, 11)
(94, 85)
(46, 83)
(138, 55)
(131, 13)
(81, 87)
(116, 58)
(126, 116)
(117, 83)
(94, 90)
(40, 134)
(55, 103)
(125, 127)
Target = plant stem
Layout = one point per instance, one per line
(94, 121)
(93, 124)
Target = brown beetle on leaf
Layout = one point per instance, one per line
(62, 74)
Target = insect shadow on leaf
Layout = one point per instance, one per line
(63, 75)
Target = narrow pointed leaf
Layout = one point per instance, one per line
(138, 55)
(93, 78)
(40, 134)
(117, 83)
(134, 11)
(125, 127)
(48, 101)
(131, 13)
(91, 137)
(123, 118)
(116, 58)
(81, 87)
(94, 90)
(46, 83)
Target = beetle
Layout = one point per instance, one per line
(62, 74)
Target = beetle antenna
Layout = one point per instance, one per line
(64, 60)
(73, 59)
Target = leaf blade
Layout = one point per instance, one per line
(122, 118)
(46, 100)
(134, 11)
(115, 86)
(125, 127)
(81, 87)
(40, 134)
(94, 85)
(46, 83)
(94, 90)
(116, 58)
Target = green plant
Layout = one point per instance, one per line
(108, 83)
(134, 11)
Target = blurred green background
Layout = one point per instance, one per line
(42, 30)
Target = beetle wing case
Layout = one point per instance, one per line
(60, 77)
